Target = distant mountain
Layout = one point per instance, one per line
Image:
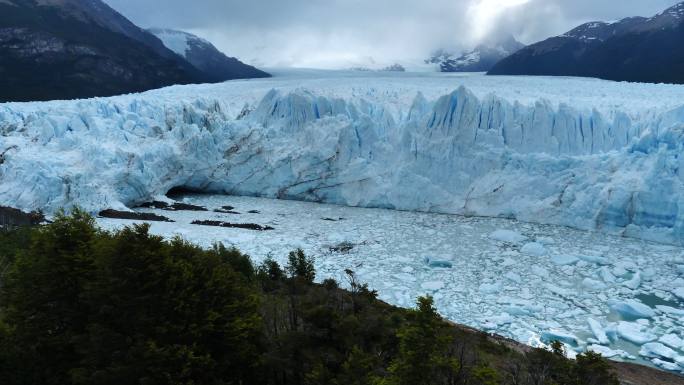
(204, 56)
(633, 49)
(480, 59)
(67, 49)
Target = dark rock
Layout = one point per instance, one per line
(176, 206)
(155, 205)
(254, 212)
(246, 226)
(343, 247)
(115, 214)
(13, 217)
(223, 211)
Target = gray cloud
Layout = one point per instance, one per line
(342, 33)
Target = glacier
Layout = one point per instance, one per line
(583, 153)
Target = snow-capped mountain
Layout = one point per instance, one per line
(204, 56)
(632, 49)
(480, 59)
(64, 49)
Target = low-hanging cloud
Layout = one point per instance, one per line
(344, 33)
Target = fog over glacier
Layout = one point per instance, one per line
(344, 33)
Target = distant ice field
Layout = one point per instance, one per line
(400, 88)
(533, 283)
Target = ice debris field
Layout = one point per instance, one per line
(589, 154)
(533, 283)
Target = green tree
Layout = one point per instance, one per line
(82, 306)
(359, 368)
(300, 266)
(423, 348)
(592, 369)
(42, 297)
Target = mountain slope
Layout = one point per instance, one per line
(204, 56)
(480, 59)
(64, 49)
(633, 49)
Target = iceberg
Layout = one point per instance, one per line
(634, 332)
(534, 249)
(632, 309)
(560, 336)
(508, 236)
(564, 259)
(598, 331)
(657, 350)
(679, 293)
(608, 352)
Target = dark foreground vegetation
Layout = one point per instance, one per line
(83, 306)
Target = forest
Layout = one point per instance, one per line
(79, 305)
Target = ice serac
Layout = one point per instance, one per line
(457, 153)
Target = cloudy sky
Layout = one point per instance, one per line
(344, 33)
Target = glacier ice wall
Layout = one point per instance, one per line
(454, 154)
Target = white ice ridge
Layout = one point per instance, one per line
(426, 143)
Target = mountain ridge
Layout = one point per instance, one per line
(635, 49)
(204, 56)
(73, 49)
(480, 59)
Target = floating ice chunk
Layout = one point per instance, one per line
(490, 288)
(508, 236)
(679, 292)
(670, 310)
(558, 290)
(634, 282)
(632, 309)
(598, 331)
(593, 285)
(564, 259)
(607, 352)
(517, 311)
(534, 249)
(432, 285)
(671, 366)
(672, 340)
(657, 350)
(611, 332)
(596, 259)
(508, 262)
(606, 275)
(435, 263)
(500, 320)
(557, 335)
(634, 332)
(546, 241)
(648, 274)
(540, 271)
(513, 276)
(405, 277)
